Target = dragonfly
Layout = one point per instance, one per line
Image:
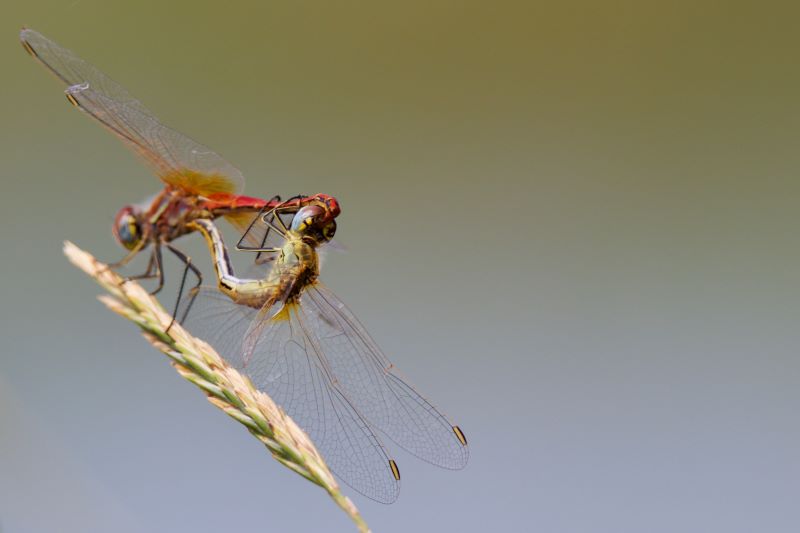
(198, 183)
(300, 344)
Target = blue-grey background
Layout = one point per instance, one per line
(573, 225)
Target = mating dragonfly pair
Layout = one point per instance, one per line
(287, 331)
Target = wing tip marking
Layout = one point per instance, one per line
(460, 435)
(72, 100)
(395, 470)
(26, 45)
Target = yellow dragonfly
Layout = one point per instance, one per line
(300, 344)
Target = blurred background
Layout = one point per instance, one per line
(573, 225)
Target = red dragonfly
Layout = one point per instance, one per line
(198, 183)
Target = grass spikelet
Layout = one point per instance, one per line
(223, 385)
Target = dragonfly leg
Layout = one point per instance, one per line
(276, 217)
(280, 228)
(153, 269)
(263, 249)
(159, 265)
(272, 219)
(187, 261)
(125, 260)
(128, 257)
(263, 213)
(147, 274)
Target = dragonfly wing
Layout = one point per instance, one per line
(219, 321)
(286, 364)
(376, 389)
(72, 70)
(175, 158)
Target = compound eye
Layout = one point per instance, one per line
(127, 229)
(306, 217)
(329, 230)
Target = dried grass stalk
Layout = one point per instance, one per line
(225, 387)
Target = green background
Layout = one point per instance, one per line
(573, 225)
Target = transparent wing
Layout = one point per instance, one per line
(72, 70)
(286, 363)
(219, 321)
(175, 158)
(376, 389)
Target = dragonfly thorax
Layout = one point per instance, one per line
(298, 262)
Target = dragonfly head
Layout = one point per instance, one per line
(314, 222)
(127, 227)
(331, 205)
